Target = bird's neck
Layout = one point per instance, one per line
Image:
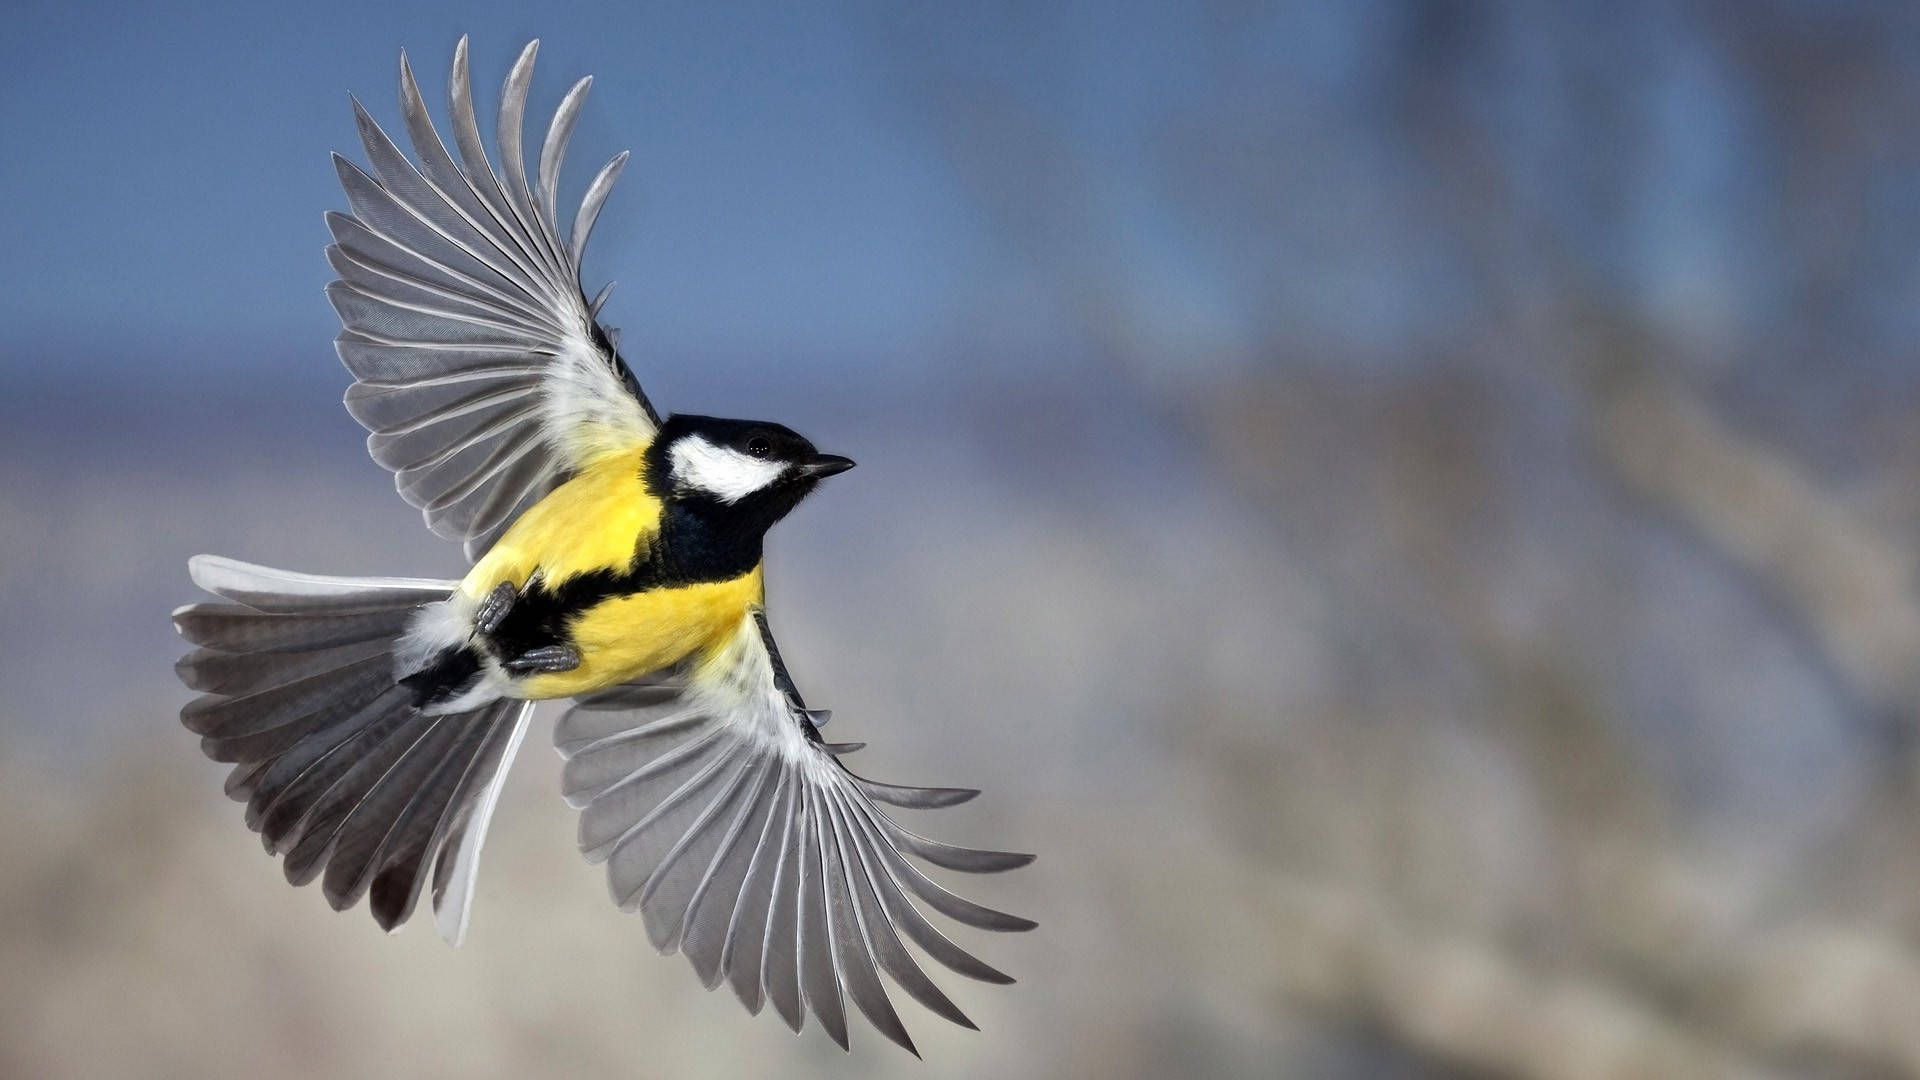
(701, 542)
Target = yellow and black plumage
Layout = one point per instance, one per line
(634, 564)
(616, 560)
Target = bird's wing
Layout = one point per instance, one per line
(478, 365)
(744, 843)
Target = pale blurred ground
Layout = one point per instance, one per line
(1406, 507)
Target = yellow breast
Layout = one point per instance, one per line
(592, 522)
(625, 637)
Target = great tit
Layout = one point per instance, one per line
(616, 560)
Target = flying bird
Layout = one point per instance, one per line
(615, 560)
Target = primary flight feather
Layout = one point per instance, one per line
(616, 560)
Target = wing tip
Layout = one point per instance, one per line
(198, 569)
(1018, 859)
(522, 70)
(345, 169)
(222, 574)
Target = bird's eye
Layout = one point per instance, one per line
(759, 447)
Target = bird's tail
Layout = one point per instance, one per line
(341, 771)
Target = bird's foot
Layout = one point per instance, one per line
(545, 660)
(493, 610)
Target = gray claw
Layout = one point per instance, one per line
(545, 660)
(494, 609)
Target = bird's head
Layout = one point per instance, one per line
(749, 469)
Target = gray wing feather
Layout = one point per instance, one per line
(878, 929)
(473, 155)
(741, 954)
(915, 926)
(746, 845)
(954, 907)
(507, 130)
(554, 148)
(487, 511)
(388, 410)
(482, 377)
(386, 215)
(437, 291)
(670, 886)
(780, 952)
(852, 952)
(632, 855)
(466, 193)
(948, 856)
(703, 935)
(912, 798)
(451, 475)
(475, 469)
(819, 975)
(439, 206)
(589, 213)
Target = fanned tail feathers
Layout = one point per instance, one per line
(342, 775)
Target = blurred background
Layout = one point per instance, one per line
(1406, 506)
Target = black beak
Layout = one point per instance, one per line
(821, 466)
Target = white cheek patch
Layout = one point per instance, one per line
(725, 474)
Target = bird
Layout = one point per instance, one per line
(615, 558)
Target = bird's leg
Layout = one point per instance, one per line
(493, 610)
(545, 660)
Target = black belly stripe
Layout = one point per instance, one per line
(691, 548)
(540, 615)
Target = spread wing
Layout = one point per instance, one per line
(478, 366)
(744, 843)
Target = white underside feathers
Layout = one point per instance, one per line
(585, 410)
(432, 630)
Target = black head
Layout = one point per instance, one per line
(747, 470)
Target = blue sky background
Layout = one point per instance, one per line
(904, 189)
(170, 170)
